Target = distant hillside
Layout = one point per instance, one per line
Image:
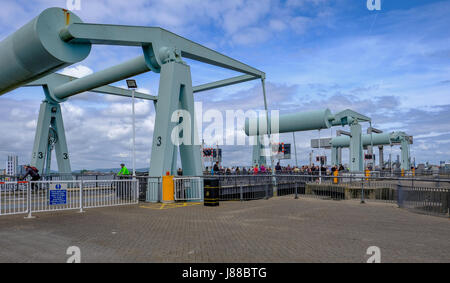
(109, 170)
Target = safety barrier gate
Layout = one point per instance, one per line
(44, 196)
(188, 189)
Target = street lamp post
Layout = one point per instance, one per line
(132, 85)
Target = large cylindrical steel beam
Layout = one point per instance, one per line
(296, 122)
(113, 74)
(35, 50)
(378, 139)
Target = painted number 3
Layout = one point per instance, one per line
(158, 143)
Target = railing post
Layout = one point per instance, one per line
(136, 184)
(81, 196)
(448, 203)
(267, 192)
(399, 194)
(160, 189)
(362, 192)
(29, 201)
(241, 193)
(296, 189)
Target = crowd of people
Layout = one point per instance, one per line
(264, 169)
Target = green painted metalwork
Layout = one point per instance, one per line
(297, 122)
(58, 38)
(379, 140)
(258, 156)
(356, 148)
(165, 46)
(50, 124)
(36, 50)
(222, 83)
(101, 78)
(55, 79)
(313, 120)
(50, 132)
(347, 117)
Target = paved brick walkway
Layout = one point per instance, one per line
(277, 230)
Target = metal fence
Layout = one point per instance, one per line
(45, 196)
(421, 194)
(434, 201)
(188, 189)
(416, 194)
(13, 197)
(344, 187)
(245, 187)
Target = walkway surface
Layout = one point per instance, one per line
(277, 230)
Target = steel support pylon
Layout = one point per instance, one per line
(356, 148)
(50, 135)
(175, 115)
(406, 159)
(259, 157)
(335, 156)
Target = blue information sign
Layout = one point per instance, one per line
(57, 195)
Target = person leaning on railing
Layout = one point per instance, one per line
(124, 173)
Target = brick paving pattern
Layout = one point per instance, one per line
(277, 230)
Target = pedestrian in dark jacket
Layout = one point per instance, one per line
(216, 168)
(33, 172)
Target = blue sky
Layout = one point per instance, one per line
(391, 65)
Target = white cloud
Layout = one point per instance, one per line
(77, 71)
(431, 135)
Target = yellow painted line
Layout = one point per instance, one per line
(163, 206)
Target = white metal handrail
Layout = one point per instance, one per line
(13, 197)
(47, 196)
(188, 189)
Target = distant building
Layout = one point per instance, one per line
(21, 170)
(12, 165)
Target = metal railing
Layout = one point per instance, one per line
(54, 196)
(421, 194)
(245, 187)
(101, 193)
(47, 196)
(188, 189)
(13, 197)
(434, 201)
